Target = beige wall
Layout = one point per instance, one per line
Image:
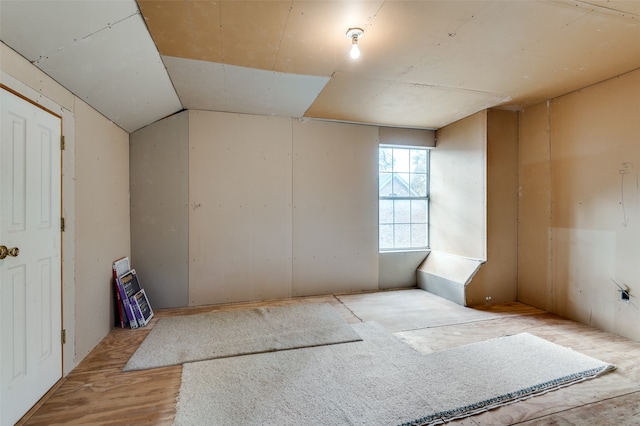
(275, 208)
(101, 223)
(95, 204)
(473, 208)
(534, 208)
(159, 182)
(399, 269)
(495, 281)
(587, 221)
(457, 208)
(240, 207)
(280, 207)
(457, 205)
(335, 208)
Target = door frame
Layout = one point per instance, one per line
(64, 345)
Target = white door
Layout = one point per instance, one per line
(30, 277)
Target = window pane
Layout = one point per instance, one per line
(386, 236)
(402, 211)
(419, 235)
(401, 160)
(385, 184)
(401, 185)
(386, 211)
(419, 160)
(385, 160)
(419, 211)
(402, 237)
(419, 184)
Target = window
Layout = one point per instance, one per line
(403, 191)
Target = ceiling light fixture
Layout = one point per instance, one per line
(355, 34)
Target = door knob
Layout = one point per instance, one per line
(4, 252)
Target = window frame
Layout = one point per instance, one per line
(425, 198)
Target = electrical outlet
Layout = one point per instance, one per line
(624, 295)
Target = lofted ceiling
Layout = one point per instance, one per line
(424, 64)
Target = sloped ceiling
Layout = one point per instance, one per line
(424, 64)
(99, 50)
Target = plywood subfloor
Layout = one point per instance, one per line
(97, 392)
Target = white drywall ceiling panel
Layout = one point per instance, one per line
(219, 87)
(37, 29)
(125, 81)
(19, 74)
(101, 51)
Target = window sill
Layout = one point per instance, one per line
(417, 250)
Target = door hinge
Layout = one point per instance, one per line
(62, 144)
(62, 224)
(63, 336)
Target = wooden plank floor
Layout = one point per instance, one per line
(97, 392)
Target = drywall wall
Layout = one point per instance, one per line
(95, 204)
(594, 158)
(102, 227)
(496, 280)
(447, 275)
(335, 208)
(240, 198)
(408, 137)
(274, 208)
(473, 209)
(280, 207)
(159, 182)
(534, 208)
(457, 208)
(398, 269)
(457, 203)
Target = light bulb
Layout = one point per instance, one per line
(355, 51)
(355, 34)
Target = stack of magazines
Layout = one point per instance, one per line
(134, 308)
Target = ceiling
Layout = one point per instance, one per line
(424, 64)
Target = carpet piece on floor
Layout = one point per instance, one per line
(188, 338)
(379, 380)
(404, 310)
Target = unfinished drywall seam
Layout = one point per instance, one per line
(485, 178)
(188, 218)
(550, 298)
(292, 289)
(518, 194)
